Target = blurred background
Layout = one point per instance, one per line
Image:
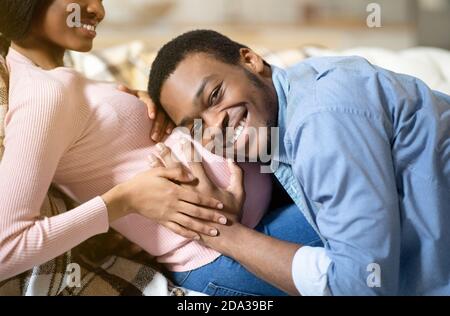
(279, 24)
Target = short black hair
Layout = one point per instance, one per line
(173, 53)
(16, 19)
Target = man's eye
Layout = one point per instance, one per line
(214, 96)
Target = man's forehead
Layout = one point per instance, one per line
(183, 86)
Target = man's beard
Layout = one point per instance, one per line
(272, 100)
(262, 87)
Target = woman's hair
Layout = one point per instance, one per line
(15, 20)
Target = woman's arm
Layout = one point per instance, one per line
(37, 134)
(41, 125)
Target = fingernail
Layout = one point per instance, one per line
(220, 206)
(213, 232)
(152, 116)
(197, 237)
(168, 131)
(155, 137)
(160, 147)
(223, 220)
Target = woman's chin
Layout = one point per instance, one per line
(85, 47)
(82, 46)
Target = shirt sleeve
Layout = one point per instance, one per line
(309, 271)
(38, 131)
(344, 162)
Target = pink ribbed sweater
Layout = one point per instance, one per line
(85, 137)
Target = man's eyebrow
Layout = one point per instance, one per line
(202, 87)
(198, 95)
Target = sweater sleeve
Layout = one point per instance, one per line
(39, 129)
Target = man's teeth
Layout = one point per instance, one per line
(88, 27)
(239, 130)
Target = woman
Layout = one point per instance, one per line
(91, 140)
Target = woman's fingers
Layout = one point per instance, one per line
(192, 224)
(198, 199)
(176, 174)
(142, 96)
(178, 229)
(125, 89)
(151, 107)
(159, 124)
(236, 186)
(170, 127)
(195, 211)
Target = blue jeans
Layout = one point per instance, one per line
(227, 277)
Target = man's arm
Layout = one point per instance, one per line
(267, 257)
(344, 161)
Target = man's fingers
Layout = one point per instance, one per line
(192, 224)
(194, 161)
(202, 213)
(178, 229)
(236, 186)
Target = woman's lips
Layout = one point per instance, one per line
(88, 29)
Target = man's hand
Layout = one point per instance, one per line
(162, 123)
(232, 197)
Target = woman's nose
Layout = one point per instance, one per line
(96, 8)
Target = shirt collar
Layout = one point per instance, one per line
(282, 87)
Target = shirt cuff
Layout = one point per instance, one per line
(309, 271)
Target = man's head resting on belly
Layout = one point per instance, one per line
(217, 88)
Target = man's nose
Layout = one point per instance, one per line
(217, 120)
(96, 10)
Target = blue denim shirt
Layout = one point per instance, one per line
(365, 154)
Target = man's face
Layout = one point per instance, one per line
(237, 104)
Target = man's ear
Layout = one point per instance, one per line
(253, 61)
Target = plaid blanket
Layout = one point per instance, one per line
(94, 267)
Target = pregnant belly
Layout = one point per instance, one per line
(158, 241)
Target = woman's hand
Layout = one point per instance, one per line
(232, 197)
(159, 195)
(162, 125)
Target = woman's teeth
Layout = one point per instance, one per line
(239, 130)
(88, 27)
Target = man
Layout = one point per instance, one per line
(363, 152)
